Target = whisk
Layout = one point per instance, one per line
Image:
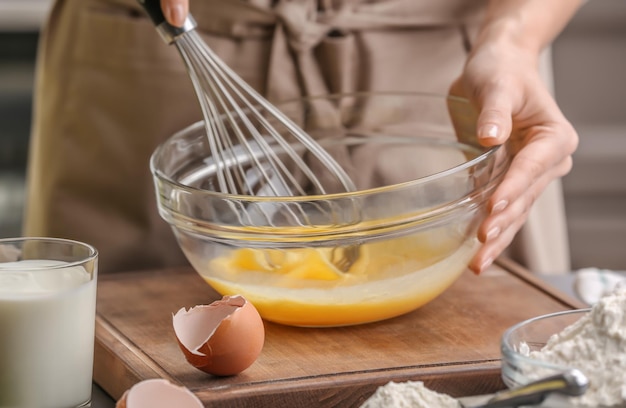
(256, 149)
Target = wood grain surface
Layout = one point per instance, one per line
(452, 343)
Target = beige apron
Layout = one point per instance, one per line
(109, 90)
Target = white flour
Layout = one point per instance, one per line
(596, 345)
(410, 394)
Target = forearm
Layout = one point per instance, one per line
(528, 25)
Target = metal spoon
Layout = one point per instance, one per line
(571, 383)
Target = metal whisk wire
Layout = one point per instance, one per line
(234, 111)
(216, 91)
(250, 154)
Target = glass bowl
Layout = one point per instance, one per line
(422, 184)
(518, 367)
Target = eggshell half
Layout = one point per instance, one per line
(158, 393)
(222, 338)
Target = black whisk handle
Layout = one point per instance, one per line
(153, 8)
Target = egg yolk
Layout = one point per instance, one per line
(388, 278)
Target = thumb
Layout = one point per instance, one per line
(494, 123)
(175, 11)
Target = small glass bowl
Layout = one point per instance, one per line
(518, 368)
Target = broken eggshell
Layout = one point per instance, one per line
(158, 393)
(222, 338)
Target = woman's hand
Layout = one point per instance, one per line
(503, 82)
(175, 11)
(501, 78)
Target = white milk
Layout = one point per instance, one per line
(47, 319)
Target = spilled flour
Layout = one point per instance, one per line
(596, 345)
(410, 394)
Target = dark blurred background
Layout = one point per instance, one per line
(19, 25)
(590, 84)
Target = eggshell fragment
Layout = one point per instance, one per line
(222, 338)
(158, 393)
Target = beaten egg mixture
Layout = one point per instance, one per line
(389, 278)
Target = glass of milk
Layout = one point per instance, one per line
(47, 320)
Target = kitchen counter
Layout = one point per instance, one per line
(100, 399)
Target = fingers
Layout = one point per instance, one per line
(494, 123)
(495, 245)
(175, 11)
(509, 211)
(545, 154)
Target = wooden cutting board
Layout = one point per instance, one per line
(452, 343)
